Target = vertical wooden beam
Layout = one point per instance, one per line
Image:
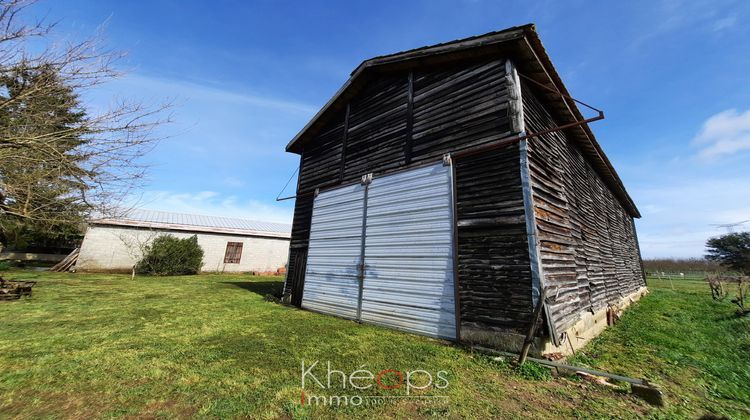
(518, 121)
(638, 249)
(409, 118)
(343, 143)
(299, 284)
(535, 259)
(456, 284)
(288, 289)
(531, 233)
(532, 328)
(515, 103)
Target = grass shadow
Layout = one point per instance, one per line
(262, 288)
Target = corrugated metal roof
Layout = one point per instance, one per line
(196, 223)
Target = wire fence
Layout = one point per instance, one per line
(686, 275)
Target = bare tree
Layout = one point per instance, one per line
(743, 289)
(136, 244)
(60, 160)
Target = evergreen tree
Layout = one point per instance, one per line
(32, 184)
(731, 250)
(60, 159)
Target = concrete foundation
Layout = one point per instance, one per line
(588, 327)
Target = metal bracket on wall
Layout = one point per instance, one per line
(555, 91)
(447, 160)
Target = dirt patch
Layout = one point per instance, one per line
(35, 404)
(170, 408)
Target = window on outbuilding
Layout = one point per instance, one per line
(234, 252)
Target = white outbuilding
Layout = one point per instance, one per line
(229, 245)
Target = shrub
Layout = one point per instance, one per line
(5, 265)
(171, 256)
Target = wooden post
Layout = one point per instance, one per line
(409, 118)
(454, 211)
(342, 167)
(532, 328)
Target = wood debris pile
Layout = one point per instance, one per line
(68, 263)
(12, 290)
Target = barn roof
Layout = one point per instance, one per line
(522, 45)
(152, 219)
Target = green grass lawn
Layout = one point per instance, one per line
(211, 346)
(697, 349)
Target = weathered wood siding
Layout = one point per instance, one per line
(321, 159)
(493, 255)
(589, 256)
(459, 107)
(410, 118)
(376, 130)
(319, 166)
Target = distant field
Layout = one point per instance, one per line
(211, 346)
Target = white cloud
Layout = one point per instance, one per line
(187, 90)
(220, 146)
(725, 23)
(212, 203)
(669, 17)
(725, 133)
(233, 181)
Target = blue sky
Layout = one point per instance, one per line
(672, 76)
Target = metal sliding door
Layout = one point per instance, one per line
(407, 248)
(331, 276)
(409, 252)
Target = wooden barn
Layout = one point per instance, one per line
(444, 189)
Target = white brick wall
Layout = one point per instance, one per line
(114, 248)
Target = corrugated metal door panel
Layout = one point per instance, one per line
(409, 252)
(331, 282)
